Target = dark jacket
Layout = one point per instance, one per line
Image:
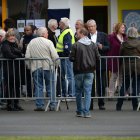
(131, 48)
(102, 39)
(52, 37)
(26, 41)
(11, 68)
(84, 57)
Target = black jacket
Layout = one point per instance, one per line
(102, 38)
(11, 68)
(52, 37)
(84, 57)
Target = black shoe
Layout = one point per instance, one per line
(12, 109)
(118, 109)
(101, 108)
(39, 109)
(19, 108)
(52, 109)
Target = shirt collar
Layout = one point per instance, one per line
(94, 33)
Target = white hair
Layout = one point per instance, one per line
(91, 21)
(41, 31)
(2, 33)
(66, 21)
(132, 32)
(52, 22)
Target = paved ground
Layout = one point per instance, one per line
(64, 122)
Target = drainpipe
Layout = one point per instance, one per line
(4, 11)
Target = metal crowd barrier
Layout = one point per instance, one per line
(16, 76)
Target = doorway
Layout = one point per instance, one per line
(99, 14)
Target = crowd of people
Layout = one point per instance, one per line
(80, 71)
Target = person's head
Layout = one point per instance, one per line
(79, 24)
(9, 23)
(64, 23)
(42, 32)
(2, 35)
(91, 25)
(82, 32)
(132, 32)
(28, 30)
(10, 36)
(119, 28)
(34, 29)
(52, 24)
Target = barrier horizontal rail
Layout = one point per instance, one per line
(53, 69)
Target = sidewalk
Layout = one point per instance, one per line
(64, 123)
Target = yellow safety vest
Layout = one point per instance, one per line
(59, 45)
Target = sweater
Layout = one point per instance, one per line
(41, 48)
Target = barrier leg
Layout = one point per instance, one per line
(46, 109)
(138, 107)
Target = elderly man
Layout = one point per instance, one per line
(101, 40)
(41, 47)
(78, 25)
(52, 26)
(63, 47)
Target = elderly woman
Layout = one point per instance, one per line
(130, 67)
(11, 71)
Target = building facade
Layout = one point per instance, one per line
(105, 12)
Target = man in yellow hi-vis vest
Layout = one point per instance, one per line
(63, 47)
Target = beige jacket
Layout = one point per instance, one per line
(43, 53)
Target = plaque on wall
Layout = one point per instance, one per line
(131, 18)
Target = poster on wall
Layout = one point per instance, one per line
(40, 23)
(30, 22)
(34, 8)
(20, 25)
(131, 18)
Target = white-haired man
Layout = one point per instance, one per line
(63, 47)
(101, 40)
(41, 47)
(52, 26)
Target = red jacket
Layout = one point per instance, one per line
(115, 46)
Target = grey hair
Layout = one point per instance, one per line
(52, 22)
(41, 31)
(80, 21)
(66, 21)
(132, 32)
(91, 21)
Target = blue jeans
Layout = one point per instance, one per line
(83, 84)
(135, 89)
(38, 77)
(67, 75)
